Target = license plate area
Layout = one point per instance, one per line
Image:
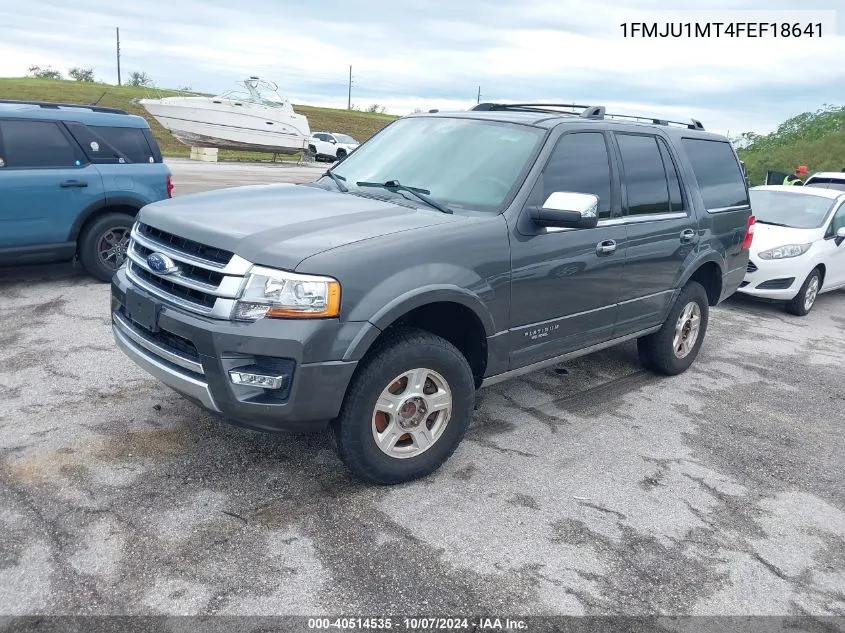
(141, 310)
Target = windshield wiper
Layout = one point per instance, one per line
(772, 223)
(395, 185)
(338, 180)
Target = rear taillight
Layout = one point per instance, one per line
(169, 186)
(749, 232)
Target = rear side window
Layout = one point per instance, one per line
(645, 175)
(130, 141)
(720, 178)
(580, 163)
(826, 183)
(36, 144)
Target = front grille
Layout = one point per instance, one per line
(752, 267)
(195, 273)
(174, 289)
(185, 245)
(204, 279)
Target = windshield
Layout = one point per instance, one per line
(797, 210)
(462, 163)
(343, 138)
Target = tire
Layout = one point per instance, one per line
(341, 153)
(659, 351)
(803, 302)
(383, 376)
(96, 235)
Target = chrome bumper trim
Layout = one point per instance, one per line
(176, 380)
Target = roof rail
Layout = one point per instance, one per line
(586, 112)
(55, 106)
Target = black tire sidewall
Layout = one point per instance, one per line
(657, 350)
(796, 304)
(88, 243)
(354, 427)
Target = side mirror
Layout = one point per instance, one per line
(332, 141)
(568, 209)
(840, 236)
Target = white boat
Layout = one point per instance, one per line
(234, 120)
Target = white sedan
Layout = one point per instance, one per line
(798, 248)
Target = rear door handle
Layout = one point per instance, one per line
(73, 183)
(687, 235)
(606, 247)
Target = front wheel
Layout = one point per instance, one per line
(674, 347)
(407, 408)
(803, 302)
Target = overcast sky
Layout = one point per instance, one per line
(435, 53)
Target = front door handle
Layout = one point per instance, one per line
(73, 183)
(687, 235)
(606, 247)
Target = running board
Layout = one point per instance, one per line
(549, 362)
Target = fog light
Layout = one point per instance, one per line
(249, 379)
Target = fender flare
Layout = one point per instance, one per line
(416, 298)
(99, 205)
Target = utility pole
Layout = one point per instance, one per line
(117, 30)
(349, 98)
(478, 99)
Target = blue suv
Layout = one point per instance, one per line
(72, 179)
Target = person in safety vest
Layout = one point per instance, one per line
(795, 179)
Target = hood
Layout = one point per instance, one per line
(768, 236)
(280, 225)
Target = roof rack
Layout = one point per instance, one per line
(55, 106)
(585, 112)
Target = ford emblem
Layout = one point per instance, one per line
(161, 264)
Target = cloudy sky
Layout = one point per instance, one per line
(435, 53)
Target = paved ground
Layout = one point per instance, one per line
(593, 487)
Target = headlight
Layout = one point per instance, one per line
(782, 252)
(282, 295)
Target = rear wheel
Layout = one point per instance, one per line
(803, 302)
(407, 408)
(341, 153)
(674, 347)
(104, 243)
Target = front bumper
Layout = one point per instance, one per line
(779, 279)
(193, 355)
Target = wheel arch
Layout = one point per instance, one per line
(112, 204)
(709, 272)
(453, 313)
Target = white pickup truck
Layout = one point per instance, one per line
(331, 145)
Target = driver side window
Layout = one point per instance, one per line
(580, 162)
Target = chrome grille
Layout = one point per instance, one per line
(208, 279)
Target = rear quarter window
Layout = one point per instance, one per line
(718, 173)
(130, 141)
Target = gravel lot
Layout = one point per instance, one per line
(593, 487)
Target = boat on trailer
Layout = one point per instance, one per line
(236, 120)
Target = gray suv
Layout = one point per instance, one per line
(449, 252)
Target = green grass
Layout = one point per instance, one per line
(359, 125)
(815, 139)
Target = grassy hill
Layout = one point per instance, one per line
(815, 139)
(359, 125)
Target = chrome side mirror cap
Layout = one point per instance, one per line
(568, 209)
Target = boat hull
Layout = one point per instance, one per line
(246, 127)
